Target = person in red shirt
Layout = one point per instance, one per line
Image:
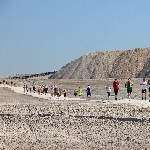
(116, 87)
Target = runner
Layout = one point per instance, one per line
(52, 91)
(3, 81)
(75, 93)
(144, 84)
(108, 89)
(30, 89)
(34, 89)
(39, 90)
(65, 94)
(24, 88)
(55, 90)
(116, 85)
(43, 89)
(88, 91)
(79, 91)
(60, 91)
(58, 94)
(46, 89)
(129, 85)
(11, 83)
(148, 83)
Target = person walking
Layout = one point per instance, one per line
(116, 85)
(144, 85)
(129, 85)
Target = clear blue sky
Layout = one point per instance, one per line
(43, 35)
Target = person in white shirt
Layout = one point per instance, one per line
(108, 90)
(144, 86)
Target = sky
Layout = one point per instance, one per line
(38, 36)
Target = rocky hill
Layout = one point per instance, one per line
(108, 64)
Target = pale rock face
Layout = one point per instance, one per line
(108, 64)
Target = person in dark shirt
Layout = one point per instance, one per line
(88, 91)
(116, 85)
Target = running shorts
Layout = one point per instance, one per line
(88, 94)
(116, 92)
(129, 91)
(108, 93)
(75, 94)
(143, 90)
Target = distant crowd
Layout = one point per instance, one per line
(54, 90)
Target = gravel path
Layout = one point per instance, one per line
(33, 123)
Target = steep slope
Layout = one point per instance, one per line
(119, 64)
(145, 72)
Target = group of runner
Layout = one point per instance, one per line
(55, 91)
(41, 89)
(128, 85)
(79, 91)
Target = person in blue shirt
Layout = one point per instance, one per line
(88, 91)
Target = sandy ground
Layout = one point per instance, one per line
(29, 122)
